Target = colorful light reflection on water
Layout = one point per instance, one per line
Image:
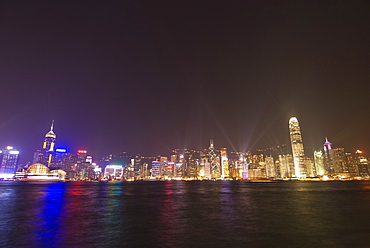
(184, 214)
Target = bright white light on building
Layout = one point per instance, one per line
(7, 176)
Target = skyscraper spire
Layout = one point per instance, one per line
(52, 125)
(328, 157)
(51, 132)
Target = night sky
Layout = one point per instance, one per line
(149, 76)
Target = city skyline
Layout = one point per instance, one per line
(45, 152)
(149, 76)
(58, 164)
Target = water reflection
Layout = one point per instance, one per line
(7, 206)
(184, 214)
(47, 229)
(170, 217)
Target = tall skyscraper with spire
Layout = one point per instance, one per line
(297, 147)
(45, 156)
(214, 161)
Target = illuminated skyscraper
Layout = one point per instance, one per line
(156, 169)
(214, 161)
(224, 163)
(45, 156)
(49, 144)
(164, 167)
(286, 166)
(310, 167)
(319, 163)
(362, 164)
(270, 166)
(350, 165)
(338, 160)
(328, 158)
(297, 147)
(8, 163)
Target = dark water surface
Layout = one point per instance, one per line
(185, 214)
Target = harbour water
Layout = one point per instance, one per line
(185, 214)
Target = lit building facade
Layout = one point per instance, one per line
(310, 167)
(297, 148)
(156, 169)
(114, 172)
(362, 164)
(338, 156)
(214, 161)
(319, 162)
(286, 165)
(9, 161)
(163, 167)
(224, 163)
(350, 165)
(328, 158)
(270, 167)
(45, 155)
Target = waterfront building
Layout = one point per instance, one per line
(233, 168)
(142, 166)
(297, 148)
(255, 174)
(156, 169)
(9, 158)
(319, 162)
(277, 169)
(286, 166)
(138, 168)
(310, 167)
(178, 159)
(130, 170)
(224, 163)
(60, 156)
(328, 158)
(82, 165)
(179, 168)
(114, 172)
(78, 165)
(214, 161)
(164, 172)
(207, 170)
(362, 164)
(204, 167)
(338, 156)
(40, 172)
(257, 161)
(144, 171)
(270, 167)
(349, 165)
(240, 168)
(170, 167)
(192, 163)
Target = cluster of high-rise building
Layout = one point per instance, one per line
(209, 163)
(327, 162)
